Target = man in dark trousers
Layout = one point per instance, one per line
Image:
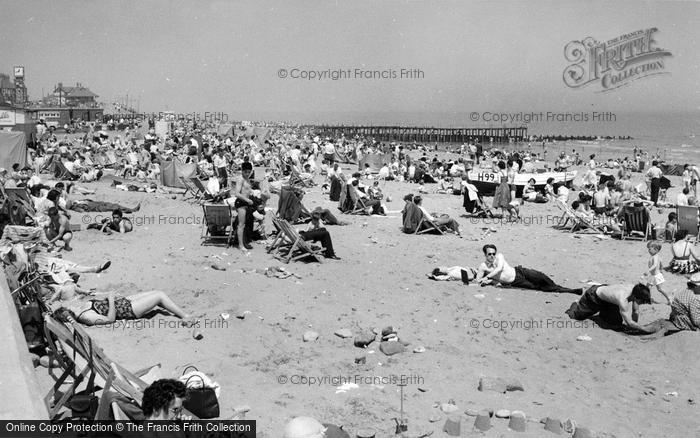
(655, 174)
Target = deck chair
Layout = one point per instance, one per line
(18, 205)
(353, 202)
(426, 225)
(196, 194)
(567, 216)
(217, 215)
(689, 220)
(61, 173)
(298, 248)
(636, 222)
(198, 184)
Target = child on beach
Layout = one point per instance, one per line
(653, 276)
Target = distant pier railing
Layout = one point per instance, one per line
(426, 135)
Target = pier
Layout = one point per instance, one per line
(427, 135)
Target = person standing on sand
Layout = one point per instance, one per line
(655, 174)
(617, 305)
(496, 270)
(243, 202)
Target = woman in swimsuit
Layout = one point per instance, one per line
(685, 257)
(106, 311)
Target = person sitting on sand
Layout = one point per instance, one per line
(118, 224)
(58, 229)
(530, 193)
(112, 308)
(496, 270)
(685, 311)
(686, 258)
(616, 305)
(438, 219)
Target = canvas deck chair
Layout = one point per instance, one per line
(20, 206)
(636, 223)
(567, 215)
(61, 173)
(351, 203)
(81, 355)
(426, 225)
(198, 183)
(298, 248)
(688, 220)
(194, 193)
(220, 216)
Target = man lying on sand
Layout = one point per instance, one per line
(616, 305)
(495, 270)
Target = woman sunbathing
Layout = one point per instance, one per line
(112, 308)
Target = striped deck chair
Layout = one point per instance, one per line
(299, 247)
(636, 223)
(217, 216)
(689, 220)
(195, 194)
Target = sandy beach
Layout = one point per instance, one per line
(615, 384)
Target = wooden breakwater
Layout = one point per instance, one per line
(426, 134)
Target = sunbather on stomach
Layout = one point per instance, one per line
(112, 308)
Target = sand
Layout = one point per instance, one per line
(614, 384)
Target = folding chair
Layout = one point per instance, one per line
(19, 197)
(636, 223)
(298, 247)
(355, 202)
(196, 194)
(62, 173)
(217, 215)
(567, 216)
(426, 226)
(198, 184)
(689, 220)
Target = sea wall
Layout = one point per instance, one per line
(21, 397)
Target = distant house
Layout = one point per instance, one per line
(77, 96)
(7, 89)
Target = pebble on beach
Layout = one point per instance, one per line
(310, 336)
(344, 333)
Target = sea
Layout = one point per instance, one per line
(674, 136)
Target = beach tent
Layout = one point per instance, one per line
(375, 161)
(13, 149)
(171, 171)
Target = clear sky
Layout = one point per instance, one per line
(198, 56)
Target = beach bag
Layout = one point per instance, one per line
(201, 401)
